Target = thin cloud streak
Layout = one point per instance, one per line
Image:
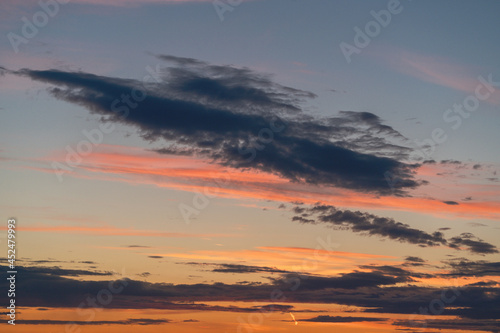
(373, 225)
(438, 70)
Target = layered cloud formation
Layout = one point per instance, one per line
(240, 118)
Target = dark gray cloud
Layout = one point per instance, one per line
(233, 268)
(472, 243)
(380, 289)
(50, 261)
(338, 319)
(476, 224)
(237, 117)
(469, 302)
(414, 261)
(373, 225)
(379, 276)
(451, 203)
(461, 267)
(455, 324)
(57, 271)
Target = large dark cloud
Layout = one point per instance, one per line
(382, 289)
(373, 225)
(237, 117)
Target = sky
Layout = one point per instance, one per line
(250, 165)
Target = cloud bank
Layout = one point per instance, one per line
(243, 119)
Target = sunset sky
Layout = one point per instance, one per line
(251, 165)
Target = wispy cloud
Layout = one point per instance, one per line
(186, 173)
(114, 231)
(339, 319)
(380, 289)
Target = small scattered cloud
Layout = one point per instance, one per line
(472, 243)
(461, 267)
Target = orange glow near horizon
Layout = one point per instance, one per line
(192, 321)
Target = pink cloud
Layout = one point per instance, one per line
(434, 69)
(136, 166)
